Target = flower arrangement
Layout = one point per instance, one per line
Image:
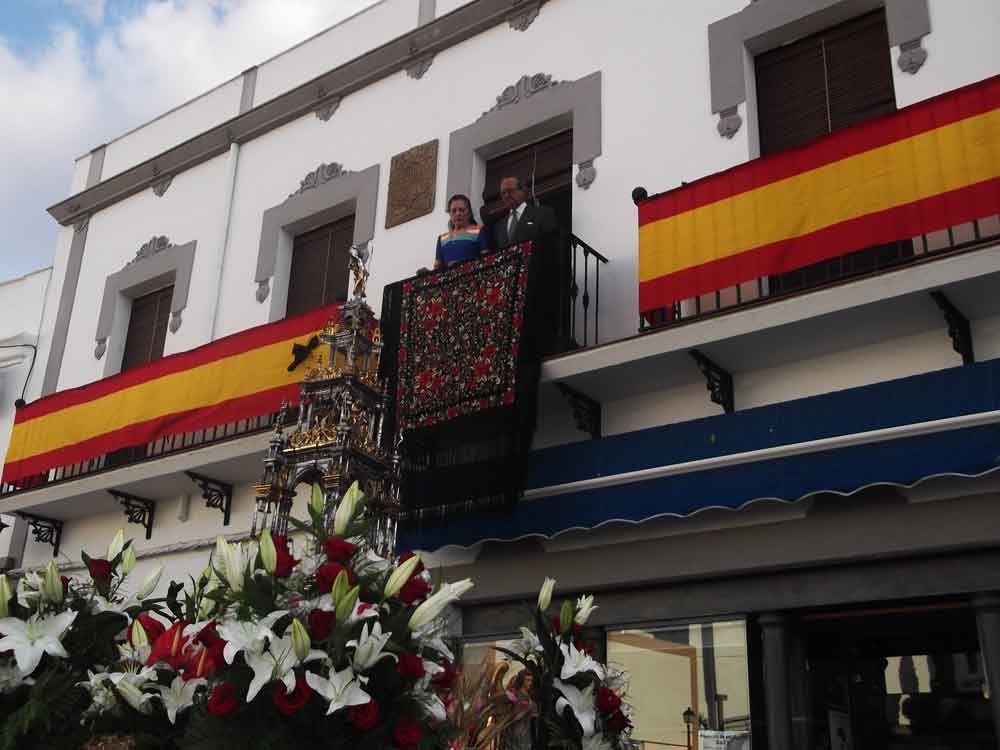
(341, 648)
(563, 697)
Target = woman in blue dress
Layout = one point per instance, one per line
(464, 240)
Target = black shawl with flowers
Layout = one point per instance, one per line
(460, 359)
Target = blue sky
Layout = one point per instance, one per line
(77, 73)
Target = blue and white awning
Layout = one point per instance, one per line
(900, 432)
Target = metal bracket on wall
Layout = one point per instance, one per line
(138, 510)
(958, 327)
(586, 411)
(718, 381)
(218, 495)
(45, 530)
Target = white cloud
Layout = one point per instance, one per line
(74, 94)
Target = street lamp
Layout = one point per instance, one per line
(688, 716)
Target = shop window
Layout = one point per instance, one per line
(319, 272)
(147, 328)
(689, 684)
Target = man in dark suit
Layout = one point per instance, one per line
(522, 222)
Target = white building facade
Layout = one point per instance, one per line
(206, 207)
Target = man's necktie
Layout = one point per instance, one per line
(512, 224)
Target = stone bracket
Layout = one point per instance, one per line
(958, 327)
(215, 493)
(301, 352)
(44, 530)
(718, 381)
(138, 510)
(912, 56)
(586, 411)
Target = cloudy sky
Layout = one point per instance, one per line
(77, 73)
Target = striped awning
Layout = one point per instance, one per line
(899, 432)
(240, 376)
(927, 167)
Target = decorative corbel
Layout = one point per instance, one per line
(263, 289)
(729, 122)
(161, 185)
(44, 530)
(327, 109)
(82, 224)
(912, 56)
(718, 381)
(102, 346)
(216, 494)
(175, 320)
(586, 411)
(419, 66)
(959, 329)
(522, 17)
(586, 174)
(138, 510)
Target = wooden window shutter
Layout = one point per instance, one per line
(147, 328)
(824, 82)
(319, 274)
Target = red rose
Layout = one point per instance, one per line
(446, 680)
(321, 624)
(99, 568)
(407, 732)
(284, 560)
(410, 665)
(327, 574)
(222, 701)
(289, 703)
(171, 647)
(618, 722)
(607, 701)
(154, 628)
(338, 550)
(414, 589)
(365, 716)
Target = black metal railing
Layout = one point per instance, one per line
(584, 273)
(866, 262)
(137, 454)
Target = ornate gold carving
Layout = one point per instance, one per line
(412, 184)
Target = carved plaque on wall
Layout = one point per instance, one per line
(412, 184)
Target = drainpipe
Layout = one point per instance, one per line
(227, 212)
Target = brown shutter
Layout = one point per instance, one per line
(550, 160)
(319, 274)
(824, 82)
(147, 328)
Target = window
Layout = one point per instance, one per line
(689, 683)
(548, 164)
(319, 274)
(147, 328)
(814, 86)
(824, 82)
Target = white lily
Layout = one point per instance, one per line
(376, 562)
(596, 742)
(128, 560)
(117, 544)
(400, 576)
(268, 552)
(137, 675)
(29, 588)
(343, 689)
(231, 562)
(368, 648)
(39, 635)
(247, 636)
(102, 699)
(433, 707)
(576, 661)
(5, 596)
(527, 644)
(179, 696)
(134, 697)
(545, 594)
(11, 678)
(317, 499)
(277, 663)
(584, 609)
(580, 701)
(52, 585)
(346, 509)
(434, 642)
(149, 585)
(435, 604)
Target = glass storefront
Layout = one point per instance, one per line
(690, 684)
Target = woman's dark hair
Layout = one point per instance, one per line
(468, 205)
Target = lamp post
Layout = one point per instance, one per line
(688, 716)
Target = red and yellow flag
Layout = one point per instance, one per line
(238, 377)
(929, 166)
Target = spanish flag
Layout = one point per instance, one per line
(929, 166)
(241, 376)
